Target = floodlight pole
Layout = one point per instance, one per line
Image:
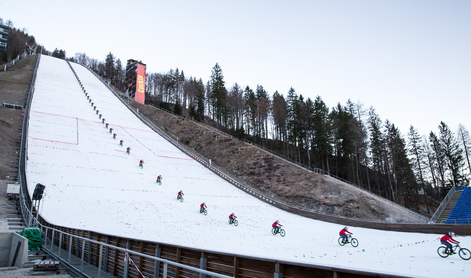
(30, 222)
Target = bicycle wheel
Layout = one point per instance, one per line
(282, 232)
(205, 212)
(236, 223)
(354, 242)
(341, 241)
(464, 254)
(441, 252)
(181, 199)
(229, 221)
(273, 232)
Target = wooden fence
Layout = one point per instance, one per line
(113, 260)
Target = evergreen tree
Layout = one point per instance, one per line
(58, 53)
(118, 80)
(399, 165)
(200, 100)
(292, 121)
(376, 143)
(110, 66)
(177, 108)
(321, 142)
(342, 126)
(250, 113)
(218, 94)
(177, 84)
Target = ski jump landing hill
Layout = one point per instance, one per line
(93, 187)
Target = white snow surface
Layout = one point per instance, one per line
(92, 184)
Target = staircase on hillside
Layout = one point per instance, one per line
(449, 207)
(14, 220)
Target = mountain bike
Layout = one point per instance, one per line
(280, 231)
(352, 241)
(204, 211)
(141, 165)
(179, 197)
(233, 221)
(160, 183)
(463, 252)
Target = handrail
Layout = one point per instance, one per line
(126, 251)
(23, 147)
(443, 205)
(45, 230)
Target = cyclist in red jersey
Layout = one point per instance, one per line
(343, 234)
(202, 206)
(232, 217)
(446, 239)
(276, 225)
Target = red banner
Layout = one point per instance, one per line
(141, 84)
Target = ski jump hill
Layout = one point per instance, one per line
(92, 185)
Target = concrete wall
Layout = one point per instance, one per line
(22, 256)
(8, 245)
(5, 246)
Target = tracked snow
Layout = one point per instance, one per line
(91, 183)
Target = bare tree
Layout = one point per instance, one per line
(431, 164)
(235, 101)
(417, 154)
(279, 114)
(465, 141)
(81, 58)
(438, 157)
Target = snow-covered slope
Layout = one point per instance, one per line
(91, 183)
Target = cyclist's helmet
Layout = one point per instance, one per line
(345, 228)
(276, 221)
(451, 234)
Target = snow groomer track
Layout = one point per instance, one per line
(95, 189)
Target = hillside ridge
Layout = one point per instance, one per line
(278, 178)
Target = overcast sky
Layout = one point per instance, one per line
(410, 60)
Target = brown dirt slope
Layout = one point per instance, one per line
(278, 178)
(14, 86)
